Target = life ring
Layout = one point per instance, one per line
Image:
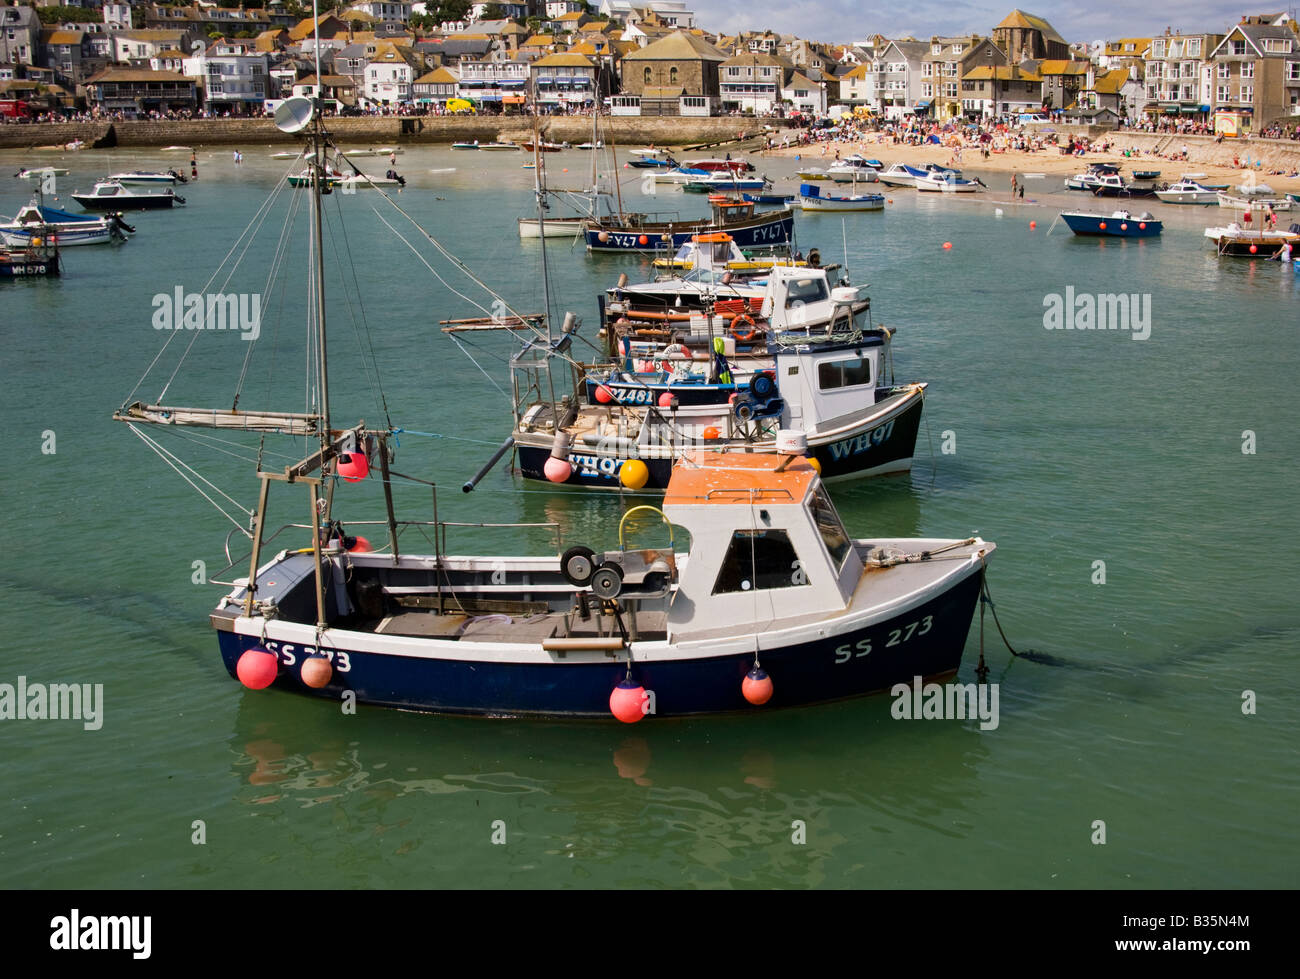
(743, 318)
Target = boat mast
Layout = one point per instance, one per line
(318, 146)
(540, 190)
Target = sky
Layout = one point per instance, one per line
(1086, 20)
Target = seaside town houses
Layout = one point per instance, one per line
(633, 58)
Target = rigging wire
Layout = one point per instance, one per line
(178, 465)
(369, 346)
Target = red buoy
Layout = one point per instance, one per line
(666, 400)
(643, 240)
(557, 470)
(353, 466)
(627, 702)
(947, 246)
(604, 395)
(1253, 249)
(1124, 226)
(257, 668)
(1033, 225)
(316, 671)
(1142, 225)
(1102, 226)
(711, 433)
(757, 687)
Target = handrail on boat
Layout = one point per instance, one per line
(439, 543)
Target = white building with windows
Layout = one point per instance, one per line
(382, 10)
(672, 13)
(388, 78)
(232, 76)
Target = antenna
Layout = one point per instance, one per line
(294, 114)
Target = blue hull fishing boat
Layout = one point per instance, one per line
(1119, 224)
(773, 603)
(812, 199)
(736, 218)
(767, 198)
(29, 262)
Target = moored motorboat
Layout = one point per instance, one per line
(812, 199)
(854, 168)
(40, 173)
(946, 183)
(1117, 224)
(148, 178)
(564, 227)
(1253, 237)
(1113, 185)
(1246, 203)
(113, 196)
(36, 259)
(35, 222)
(1187, 191)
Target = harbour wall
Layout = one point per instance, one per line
(624, 130)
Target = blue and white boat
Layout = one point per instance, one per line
(768, 229)
(652, 163)
(812, 199)
(768, 198)
(36, 221)
(1091, 176)
(721, 182)
(902, 175)
(681, 175)
(1118, 224)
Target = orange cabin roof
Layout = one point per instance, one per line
(712, 237)
(738, 477)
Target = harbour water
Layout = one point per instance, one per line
(1065, 447)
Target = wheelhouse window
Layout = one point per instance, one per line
(760, 559)
(833, 374)
(803, 291)
(829, 526)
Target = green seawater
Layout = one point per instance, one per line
(1071, 448)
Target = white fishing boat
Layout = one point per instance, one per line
(148, 178)
(500, 147)
(1252, 240)
(681, 175)
(177, 149)
(585, 631)
(366, 181)
(1187, 191)
(40, 173)
(1254, 200)
(898, 175)
(853, 168)
(946, 183)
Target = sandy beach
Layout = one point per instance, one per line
(1047, 161)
